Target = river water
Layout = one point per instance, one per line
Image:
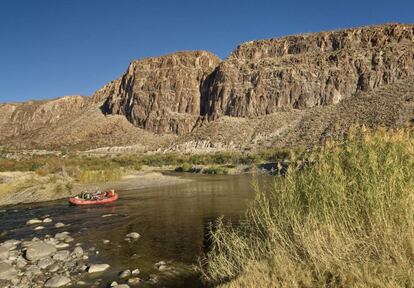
(172, 221)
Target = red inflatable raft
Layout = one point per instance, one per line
(104, 198)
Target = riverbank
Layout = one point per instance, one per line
(29, 187)
(344, 221)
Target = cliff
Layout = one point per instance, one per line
(295, 90)
(162, 94)
(262, 77)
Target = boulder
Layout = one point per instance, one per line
(45, 262)
(7, 272)
(62, 255)
(4, 253)
(96, 268)
(38, 250)
(57, 281)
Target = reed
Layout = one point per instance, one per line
(347, 220)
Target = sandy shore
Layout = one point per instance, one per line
(138, 180)
(28, 187)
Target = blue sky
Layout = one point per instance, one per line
(51, 48)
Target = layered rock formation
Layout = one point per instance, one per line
(162, 94)
(294, 90)
(303, 71)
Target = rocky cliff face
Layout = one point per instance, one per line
(303, 71)
(162, 94)
(268, 93)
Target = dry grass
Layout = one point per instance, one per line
(345, 221)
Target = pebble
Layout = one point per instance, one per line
(125, 274)
(39, 228)
(59, 225)
(61, 245)
(78, 252)
(33, 221)
(62, 255)
(94, 268)
(134, 281)
(45, 262)
(133, 235)
(57, 281)
(121, 286)
(135, 272)
(106, 241)
(47, 220)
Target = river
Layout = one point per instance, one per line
(172, 221)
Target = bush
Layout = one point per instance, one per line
(186, 167)
(218, 170)
(345, 221)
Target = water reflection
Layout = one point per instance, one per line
(172, 221)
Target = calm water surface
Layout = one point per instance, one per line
(172, 220)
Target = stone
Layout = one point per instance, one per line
(45, 262)
(57, 281)
(158, 264)
(33, 221)
(133, 235)
(61, 236)
(134, 281)
(59, 225)
(38, 228)
(121, 286)
(77, 252)
(4, 253)
(20, 262)
(33, 270)
(62, 255)
(39, 250)
(47, 220)
(7, 272)
(114, 283)
(62, 245)
(153, 279)
(10, 244)
(96, 268)
(125, 274)
(135, 272)
(53, 268)
(106, 241)
(163, 268)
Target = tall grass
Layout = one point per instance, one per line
(347, 220)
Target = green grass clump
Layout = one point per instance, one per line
(216, 170)
(347, 220)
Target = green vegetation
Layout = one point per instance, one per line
(95, 169)
(347, 220)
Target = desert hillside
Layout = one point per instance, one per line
(290, 91)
